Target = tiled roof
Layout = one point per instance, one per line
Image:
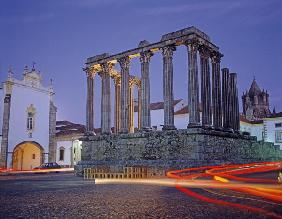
(244, 119)
(274, 115)
(157, 105)
(68, 128)
(184, 110)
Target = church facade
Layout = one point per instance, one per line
(28, 122)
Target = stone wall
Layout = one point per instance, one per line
(174, 149)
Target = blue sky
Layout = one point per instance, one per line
(60, 34)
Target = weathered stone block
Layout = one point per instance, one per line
(174, 149)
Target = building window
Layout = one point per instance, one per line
(30, 118)
(62, 153)
(278, 136)
(278, 125)
(33, 156)
(30, 121)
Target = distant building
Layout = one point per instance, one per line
(267, 129)
(255, 103)
(28, 117)
(68, 146)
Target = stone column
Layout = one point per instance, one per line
(205, 86)
(193, 85)
(117, 104)
(167, 53)
(225, 97)
(52, 132)
(145, 90)
(124, 63)
(5, 131)
(216, 90)
(89, 102)
(131, 106)
(106, 98)
(234, 103)
(140, 107)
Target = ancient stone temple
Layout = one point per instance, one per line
(255, 103)
(214, 140)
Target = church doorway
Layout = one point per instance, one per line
(27, 155)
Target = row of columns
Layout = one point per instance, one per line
(124, 122)
(217, 110)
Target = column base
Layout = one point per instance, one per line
(106, 133)
(145, 129)
(207, 126)
(230, 130)
(90, 133)
(194, 125)
(219, 129)
(123, 131)
(168, 127)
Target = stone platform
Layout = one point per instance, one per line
(175, 149)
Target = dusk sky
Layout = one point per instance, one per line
(60, 34)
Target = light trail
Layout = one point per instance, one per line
(228, 175)
(241, 197)
(11, 171)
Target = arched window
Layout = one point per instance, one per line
(30, 118)
(62, 153)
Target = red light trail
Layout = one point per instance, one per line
(230, 174)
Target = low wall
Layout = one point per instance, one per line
(166, 150)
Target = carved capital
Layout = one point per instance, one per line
(192, 45)
(204, 51)
(106, 68)
(124, 62)
(145, 57)
(167, 51)
(133, 80)
(117, 80)
(91, 71)
(216, 57)
(138, 83)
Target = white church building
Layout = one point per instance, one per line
(28, 122)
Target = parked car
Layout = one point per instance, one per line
(53, 165)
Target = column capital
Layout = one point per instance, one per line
(124, 62)
(192, 45)
(117, 80)
(145, 57)
(204, 51)
(216, 57)
(91, 71)
(133, 80)
(106, 68)
(167, 51)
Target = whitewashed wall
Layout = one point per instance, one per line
(253, 129)
(269, 125)
(22, 97)
(67, 145)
